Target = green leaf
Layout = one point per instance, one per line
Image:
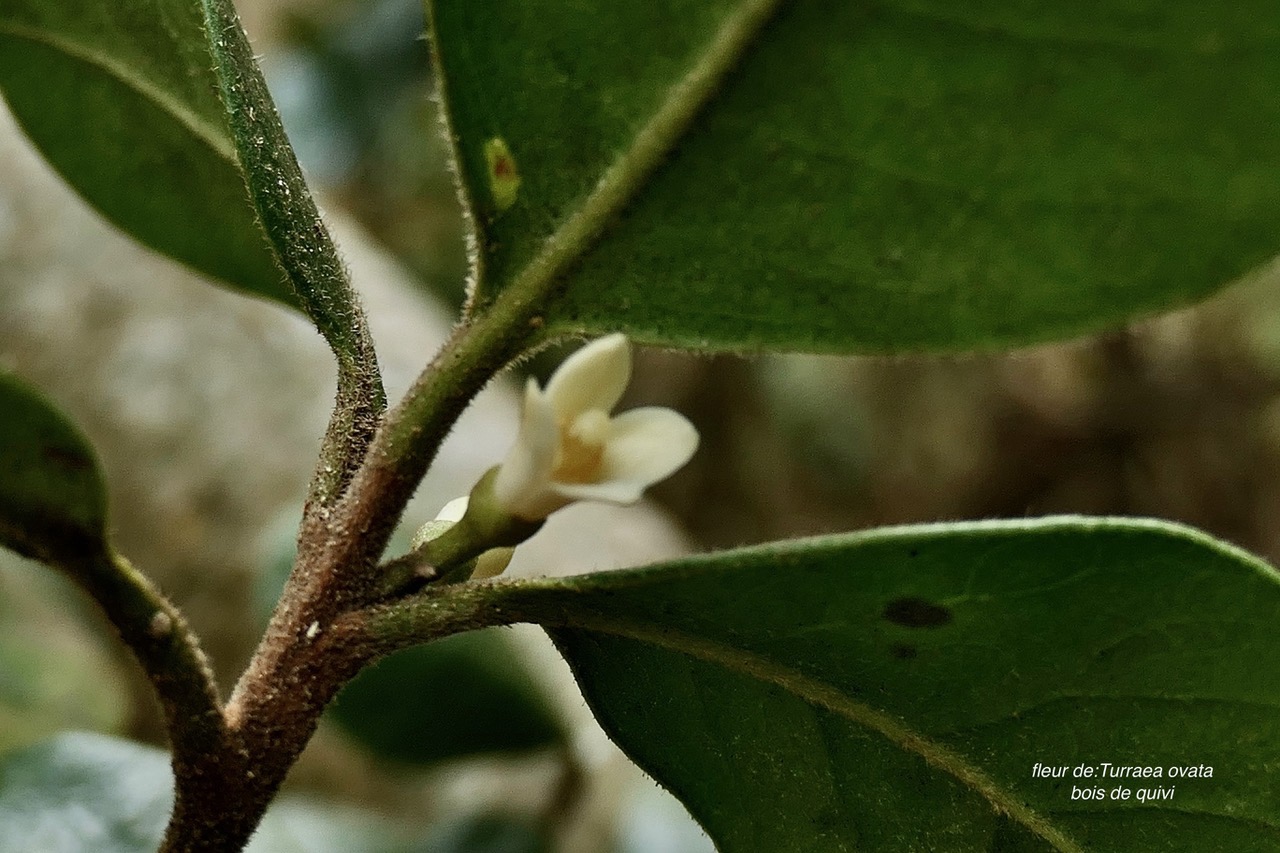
(121, 99)
(161, 128)
(459, 696)
(852, 176)
(52, 499)
(893, 690)
(53, 509)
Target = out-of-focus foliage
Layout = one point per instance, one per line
(455, 697)
(351, 84)
(55, 673)
(53, 504)
(85, 792)
(1175, 422)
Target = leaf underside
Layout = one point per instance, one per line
(893, 690)
(884, 176)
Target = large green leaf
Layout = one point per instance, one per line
(841, 176)
(52, 498)
(122, 100)
(892, 691)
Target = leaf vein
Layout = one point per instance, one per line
(198, 127)
(624, 178)
(828, 697)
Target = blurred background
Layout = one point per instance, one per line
(207, 428)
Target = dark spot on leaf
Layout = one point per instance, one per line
(913, 612)
(67, 458)
(903, 651)
(914, 552)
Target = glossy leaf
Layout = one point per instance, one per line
(52, 498)
(459, 696)
(893, 690)
(836, 176)
(121, 99)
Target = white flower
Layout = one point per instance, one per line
(454, 510)
(570, 449)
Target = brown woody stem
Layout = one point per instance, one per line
(317, 639)
(314, 643)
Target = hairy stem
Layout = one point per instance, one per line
(168, 651)
(303, 249)
(337, 561)
(218, 808)
(315, 643)
(299, 665)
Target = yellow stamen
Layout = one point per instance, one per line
(580, 456)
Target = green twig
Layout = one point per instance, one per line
(168, 651)
(302, 247)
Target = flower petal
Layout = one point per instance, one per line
(620, 492)
(523, 477)
(454, 510)
(647, 445)
(594, 377)
(644, 446)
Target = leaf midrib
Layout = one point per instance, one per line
(826, 696)
(624, 178)
(143, 87)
